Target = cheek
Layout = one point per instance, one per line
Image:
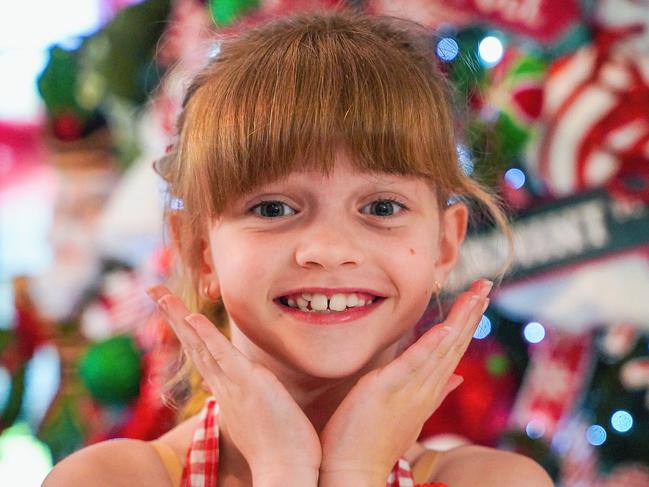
(246, 268)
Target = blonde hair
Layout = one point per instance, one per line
(283, 96)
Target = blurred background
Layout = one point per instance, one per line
(552, 99)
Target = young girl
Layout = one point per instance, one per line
(315, 164)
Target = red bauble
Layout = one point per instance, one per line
(67, 127)
(480, 407)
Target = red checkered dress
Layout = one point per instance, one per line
(202, 463)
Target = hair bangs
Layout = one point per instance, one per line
(296, 99)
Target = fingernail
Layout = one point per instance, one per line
(445, 330)
(485, 287)
(162, 302)
(155, 292)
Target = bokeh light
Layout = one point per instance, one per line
(483, 329)
(491, 50)
(534, 332)
(515, 178)
(596, 435)
(447, 49)
(622, 421)
(535, 429)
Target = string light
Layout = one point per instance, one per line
(534, 332)
(491, 50)
(515, 178)
(535, 429)
(595, 435)
(483, 329)
(447, 49)
(622, 421)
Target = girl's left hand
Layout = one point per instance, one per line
(383, 414)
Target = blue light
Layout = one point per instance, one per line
(447, 49)
(534, 332)
(491, 50)
(596, 435)
(515, 178)
(483, 329)
(535, 429)
(621, 421)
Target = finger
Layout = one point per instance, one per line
(456, 324)
(226, 355)
(416, 358)
(438, 374)
(473, 320)
(157, 291)
(460, 319)
(175, 312)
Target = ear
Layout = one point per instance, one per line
(453, 226)
(207, 267)
(206, 270)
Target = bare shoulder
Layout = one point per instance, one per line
(481, 465)
(115, 463)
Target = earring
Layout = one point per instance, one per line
(206, 291)
(439, 287)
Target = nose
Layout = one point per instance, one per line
(329, 245)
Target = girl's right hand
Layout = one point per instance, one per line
(264, 422)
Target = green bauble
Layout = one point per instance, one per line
(223, 12)
(111, 370)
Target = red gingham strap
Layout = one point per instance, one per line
(202, 461)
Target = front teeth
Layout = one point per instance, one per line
(319, 302)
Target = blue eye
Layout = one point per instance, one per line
(270, 209)
(274, 208)
(385, 206)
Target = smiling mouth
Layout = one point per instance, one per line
(305, 305)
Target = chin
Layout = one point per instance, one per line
(333, 366)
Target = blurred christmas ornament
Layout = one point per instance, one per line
(111, 370)
(488, 391)
(545, 20)
(516, 90)
(595, 116)
(553, 383)
(223, 12)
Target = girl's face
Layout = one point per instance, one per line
(337, 232)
